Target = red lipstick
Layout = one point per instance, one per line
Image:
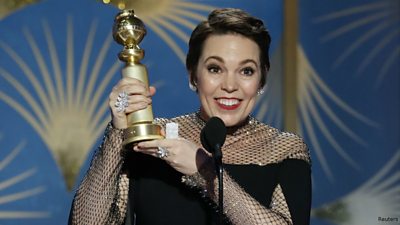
(220, 101)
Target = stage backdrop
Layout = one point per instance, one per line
(58, 62)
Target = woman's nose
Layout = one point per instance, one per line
(229, 83)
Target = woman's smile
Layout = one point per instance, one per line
(228, 103)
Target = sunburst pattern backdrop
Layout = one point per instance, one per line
(58, 63)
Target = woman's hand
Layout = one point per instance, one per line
(138, 97)
(183, 155)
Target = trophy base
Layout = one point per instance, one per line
(141, 132)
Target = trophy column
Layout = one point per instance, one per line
(129, 31)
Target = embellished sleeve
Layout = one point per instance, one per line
(290, 204)
(101, 198)
(239, 207)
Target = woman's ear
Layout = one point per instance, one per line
(192, 78)
(192, 81)
(264, 78)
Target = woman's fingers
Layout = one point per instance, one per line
(152, 147)
(152, 90)
(128, 95)
(132, 89)
(148, 151)
(179, 153)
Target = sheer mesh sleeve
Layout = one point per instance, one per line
(102, 195)
(240, 207)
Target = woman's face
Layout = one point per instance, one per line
(228, 77)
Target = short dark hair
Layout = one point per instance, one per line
(229, 21)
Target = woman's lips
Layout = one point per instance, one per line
(228, 103)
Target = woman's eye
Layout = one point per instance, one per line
(213, 69)
(248, 71)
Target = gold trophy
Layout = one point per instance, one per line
(129, 30)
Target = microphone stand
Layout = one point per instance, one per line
(220, 169)
(212, 138)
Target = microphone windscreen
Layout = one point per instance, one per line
(213, 134)
(203, 140)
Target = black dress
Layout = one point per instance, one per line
(158, 197)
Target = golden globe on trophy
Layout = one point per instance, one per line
(129, 30)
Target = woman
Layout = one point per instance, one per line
(172, 181)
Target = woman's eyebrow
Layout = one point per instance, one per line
(249, 61)
(214, 57)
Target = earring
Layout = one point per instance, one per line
(192, 87)
(260, 91)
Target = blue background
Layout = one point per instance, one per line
(43, 197)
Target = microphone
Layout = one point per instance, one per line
(212, 137)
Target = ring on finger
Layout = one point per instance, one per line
(162, 153)
(122, 102)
